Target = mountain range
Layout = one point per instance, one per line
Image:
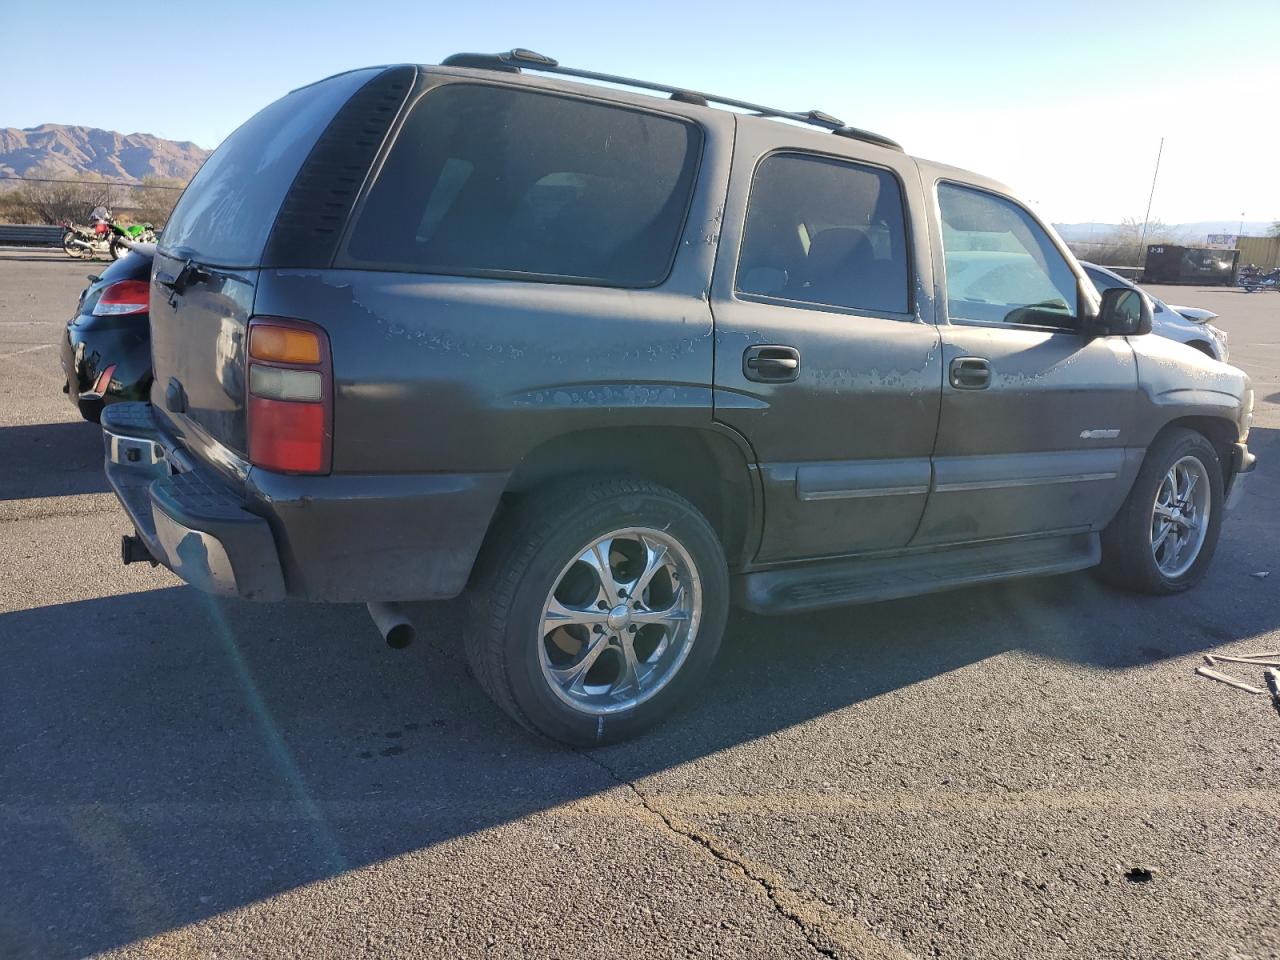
(58, 150)
(1191, 232)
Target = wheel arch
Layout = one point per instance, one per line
(712, 469)
(1219, 431)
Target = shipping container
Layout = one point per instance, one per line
(1168, 263)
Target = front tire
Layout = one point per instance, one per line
(597, 606)
(1163, 538)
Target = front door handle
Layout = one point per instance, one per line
(771, 364)
(970, 373)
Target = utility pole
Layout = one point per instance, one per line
(1142, 241)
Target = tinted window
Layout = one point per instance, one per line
(825, 232)
(1105, 281)
(1102, 281)
(227, 211)
(1000, 263)
(491, 181)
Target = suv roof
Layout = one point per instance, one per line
(519, 59)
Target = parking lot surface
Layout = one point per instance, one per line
(1024, 770)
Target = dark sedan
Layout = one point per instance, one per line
(106, 353)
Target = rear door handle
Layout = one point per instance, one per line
(771, 364)
(970, 373)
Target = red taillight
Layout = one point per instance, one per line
(290, 402)
(124, 296)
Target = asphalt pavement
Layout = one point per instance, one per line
(1028, 770)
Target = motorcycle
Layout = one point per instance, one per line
(1252, 279)
(104, 237)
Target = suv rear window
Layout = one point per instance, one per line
(490, 181)
(224, 216)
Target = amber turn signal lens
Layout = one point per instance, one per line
(283, 344)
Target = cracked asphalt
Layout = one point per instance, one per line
(1025, 770)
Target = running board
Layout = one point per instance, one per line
(833, 583)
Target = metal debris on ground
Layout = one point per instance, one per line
(1261, 574)
(1273, 684)
(1258, 660)
(1230, 681)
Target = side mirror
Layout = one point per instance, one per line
(1124, 312)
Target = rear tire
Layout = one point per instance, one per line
(90, 409)
(1143, 551)
(544, 642)
(118, 250)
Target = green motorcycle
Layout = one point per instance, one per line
(105, 236)
(134, 233)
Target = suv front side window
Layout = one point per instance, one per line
(1001, 265)
(825, 232)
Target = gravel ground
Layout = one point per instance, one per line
(1025, 770)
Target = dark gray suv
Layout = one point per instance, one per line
(604, 359)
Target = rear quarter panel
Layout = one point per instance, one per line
(439, 373)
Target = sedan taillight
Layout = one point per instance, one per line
(123, 296)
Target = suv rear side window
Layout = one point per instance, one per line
(1001, 265)
(826, 232)
(226, 213)
(490, 181)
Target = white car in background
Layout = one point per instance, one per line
(1189, 325)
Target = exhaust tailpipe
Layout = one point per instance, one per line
(393, 623)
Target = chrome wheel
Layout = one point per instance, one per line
(1180, 517)
(620, 620)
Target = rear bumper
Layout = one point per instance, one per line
(190, 522)
(87, 352)
(339, 538)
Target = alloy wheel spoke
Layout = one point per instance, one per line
(673, 613)
(571, 677)
(1159, 541)
(560, 615)
(630, 676)
(655, 560)
(597, 558)
(1192, 477)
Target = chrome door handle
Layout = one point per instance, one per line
(771, 364)
(970, 373)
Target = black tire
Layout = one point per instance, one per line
(118, 250)
(1127, 558)
(70, 248)
(90, 409)
(517, 569)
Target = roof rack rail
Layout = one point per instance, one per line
(513, 61)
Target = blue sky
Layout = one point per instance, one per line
(1066, 102)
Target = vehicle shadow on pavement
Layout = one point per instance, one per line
(51, 460)
(167, 757)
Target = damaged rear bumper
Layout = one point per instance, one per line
(188, 521)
